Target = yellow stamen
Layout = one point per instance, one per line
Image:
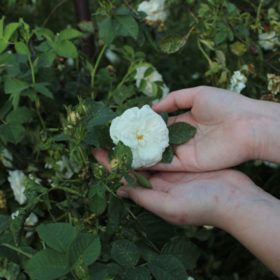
(140, 137)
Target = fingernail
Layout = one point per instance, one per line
(122, 193)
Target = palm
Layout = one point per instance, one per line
(222, 120)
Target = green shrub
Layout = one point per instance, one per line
(56, 103)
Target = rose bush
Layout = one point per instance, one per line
(64, 84)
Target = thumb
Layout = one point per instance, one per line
(160, 203)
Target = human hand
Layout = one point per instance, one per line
(188, 198)
(226, 129)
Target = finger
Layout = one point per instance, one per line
(160, 203)
(102, 157)
(186, 117)
(175, 166)
(181, 99)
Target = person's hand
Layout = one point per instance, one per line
(189, 198)
(226, 128)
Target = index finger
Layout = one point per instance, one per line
(180, 99)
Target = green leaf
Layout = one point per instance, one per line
(66, 48)
(3, 44)
(138, 273)
(69, 33)
(122, 157)
(184, 250)
(97, 114)
(107, 30)
(180, 133)
(127, 26)
(58, 236)
(12, 85)
(97, 196)
(47, 265)
(173, 43)
(19, 116)
(87, 247)
(4, 222)
(125, 253)
(22, 48)
(2, 26)
(10, 29)
(168, 155)
(12, 133)
(167, 267)
(41, 88)
(142, 180)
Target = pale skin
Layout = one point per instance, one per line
(195, 189)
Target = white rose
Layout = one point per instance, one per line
(67, 168)
(153, 77)
(144, 132)
(154, 9)
(237, 82)
(268, 40)
(16, 179)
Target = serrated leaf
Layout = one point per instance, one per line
(98, 200)
(19, 116)
(86, 247)
(12, 85)
(66, 48)
(42, 88)
(122, 156)
(47, 265)
(10, 30)
(127, 26)
(3, 44)
(125, 253)
(58, 236)
(142, 180)
(168, 155)
(69, 33)
(184, 250)
(167, 267)
(173, 43)
(22, 48)
(180, 133)
(11, 133)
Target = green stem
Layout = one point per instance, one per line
(204, 53)
(17, 250)
(93, 74)
(259, 12)
(32, 70)
(68, 190)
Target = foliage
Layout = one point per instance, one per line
(57, 104)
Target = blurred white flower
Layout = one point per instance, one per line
(237, 82)
(67, 167)
(32, 220)
(70, 62)
(16, 179)
(190, 278)
(144, 132)
(6, 158)
(147, 74)
(112, 56)
(270, 164)
(268, 40)
(155, 10)
(273, 83)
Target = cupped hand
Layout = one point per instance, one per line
(225, 135)
(189, 198)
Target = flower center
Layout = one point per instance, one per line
(139, 137)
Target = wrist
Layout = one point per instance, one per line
(266, 127)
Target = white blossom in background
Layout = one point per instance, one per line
(237, 82)
(155, 10)
(144, 132)
(16, 179)
(190, 278)
(112, 56)
(31, 220)
(6, 158)
(270, 164)
(208, 227)
(66, 167)
(149, 79)
(269, 40)
(273, 83)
